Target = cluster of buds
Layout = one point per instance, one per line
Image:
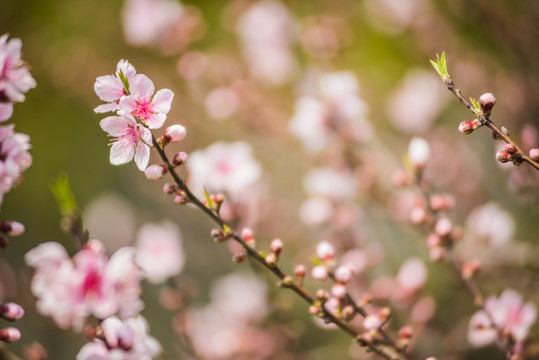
(373, 323)
(509, 153)
(276, 248)
(214, 202)
(180, 197)
(443, 237)
(10, 312)
(9, 228)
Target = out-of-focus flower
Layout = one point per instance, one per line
(14, 157)
(15, 79)
(334, 108)
(416, 102)
(163, 24)
(418, 152)
(323, 36)
(228, 167)
(221, 103)
(159, 251)
(70, 290)
(131, 140)
(124, 340)
(143, 105)
(226, 328)
(110, 88)
(316, 210)
(394, 17)
(508, 314)
(266, 30)
(492, 224)
(331, 183)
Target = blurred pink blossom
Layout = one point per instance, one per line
(14, 157)
(15, 79)
(334, 184)
(131, 141)
(124, 340)
(418, 152)
(221, 103)
(71, 290)
(508, 314)
(416, 102)
(267, 31)
(159, 251)
(491, 224)
(228, 167)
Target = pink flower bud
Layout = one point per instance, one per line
(218, 235)
(12, 228)
(443, 227)
(433, 240)
(313, 309)
(372, 322)
(442, 202)
(470, 268)
(487, 101)
(155, 172)
(365, 299)
(348, 312)
(247, 236)
(467, 127)
(174, 133)
(11, 311)
(181, 198)
(401, 178)
(437, 253)
(320, 272)
(170, 189)
(271, 260)
(502, 156)
(239, 258)
(343, 274)
(322, 295)
(418, 215)
(338, 291)
(10, 334)
(534, 154)
(300, 272)
(325, 251)
(179, 158)
(406, 332)
(276, 246)
(510, 149)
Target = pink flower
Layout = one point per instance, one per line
(508, 313)
(159, 251)
(15, 79)
(131, 141)
(111, 88)
(224, 166)
(143, 105)
(14, 157)
(6, 110)
(124, 340)
(70, 290)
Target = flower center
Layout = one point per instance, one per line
(143, 110)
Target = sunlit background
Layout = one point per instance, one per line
(237, 69)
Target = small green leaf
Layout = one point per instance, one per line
(61, 189)
(440, 65)
(476, 107)
(315, 260)
(123, 78)
(207, 196)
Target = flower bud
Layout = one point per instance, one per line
(433, 240)
(300, 272)
(338, 291)
(10, 334)
(320, 272)
(313, 309)
(174, 133)
(443, 227)
(442, 202)
(218, 235)
(181, 198)
(348, 312)
(510, 149)
(179, 158)
(406, 332)
(155, 172)
(467, 127)
(11, 311)
(343, 274)
(502, 156)
(12, 228)
(437, 253)
(239, 258)
(271, 260)
(322, 295)
(534, 154)
(170, 189)
(372, 322)
(470, 268)
(247, 236)
(418, 215)
(276, 246)
(487, 101)
(325, 251)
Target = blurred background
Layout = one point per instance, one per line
(237, 69)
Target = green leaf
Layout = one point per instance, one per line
(61, 189)
(123, 78)
(476, 107)
(207, 196)
(440, 65)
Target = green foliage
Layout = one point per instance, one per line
(476, 107)
(440, 65)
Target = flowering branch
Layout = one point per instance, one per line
(482, 109)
